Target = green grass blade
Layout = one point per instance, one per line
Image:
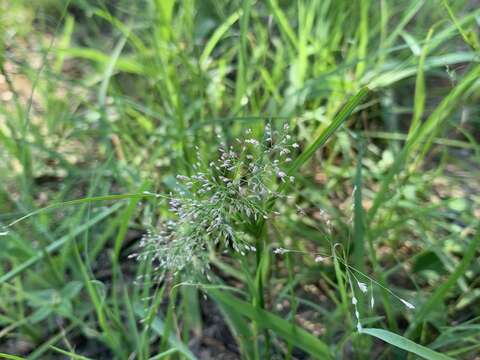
(64, 42)
(470, 40)
(125, 30)
(192, 316)
(8, 356)
(164, 354)
(436, 119)
(70, 354)
(58, 244)
(410, 13)
(338, 120)
(283, 22)
(301, 338)
(391, 76)
(111, 337)
(102, 92)
(363, 36)
(239, 328)
(439, 295)
(131, 323)
(405, 344)
(39, 352)
(158, 326)
(79, 202)
(217, 35)
(359, 215)
(124, 222)
(241, 80)
(420, 93)
(125, 64)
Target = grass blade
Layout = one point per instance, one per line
(338, 120)
(70, 354)
(420, 93)
(405, 344)
(58, 244)
(283, 22)
(102, 93)
(410, 13)
(439, 295)
(217, 35)
(8, 356)
(239, 328)
(164, 354)
(79, 202)
(359, 214)
(470, 40)
(128, 65)
(301, 338)
(158, 326)
(420, 134)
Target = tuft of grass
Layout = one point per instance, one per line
(104, 104)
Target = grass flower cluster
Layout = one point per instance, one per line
(352, 276)
(217, 205)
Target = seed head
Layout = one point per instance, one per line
(209, 208)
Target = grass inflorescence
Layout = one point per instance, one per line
(215, 206)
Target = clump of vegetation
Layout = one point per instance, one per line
(239, 179)
(218, 204)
